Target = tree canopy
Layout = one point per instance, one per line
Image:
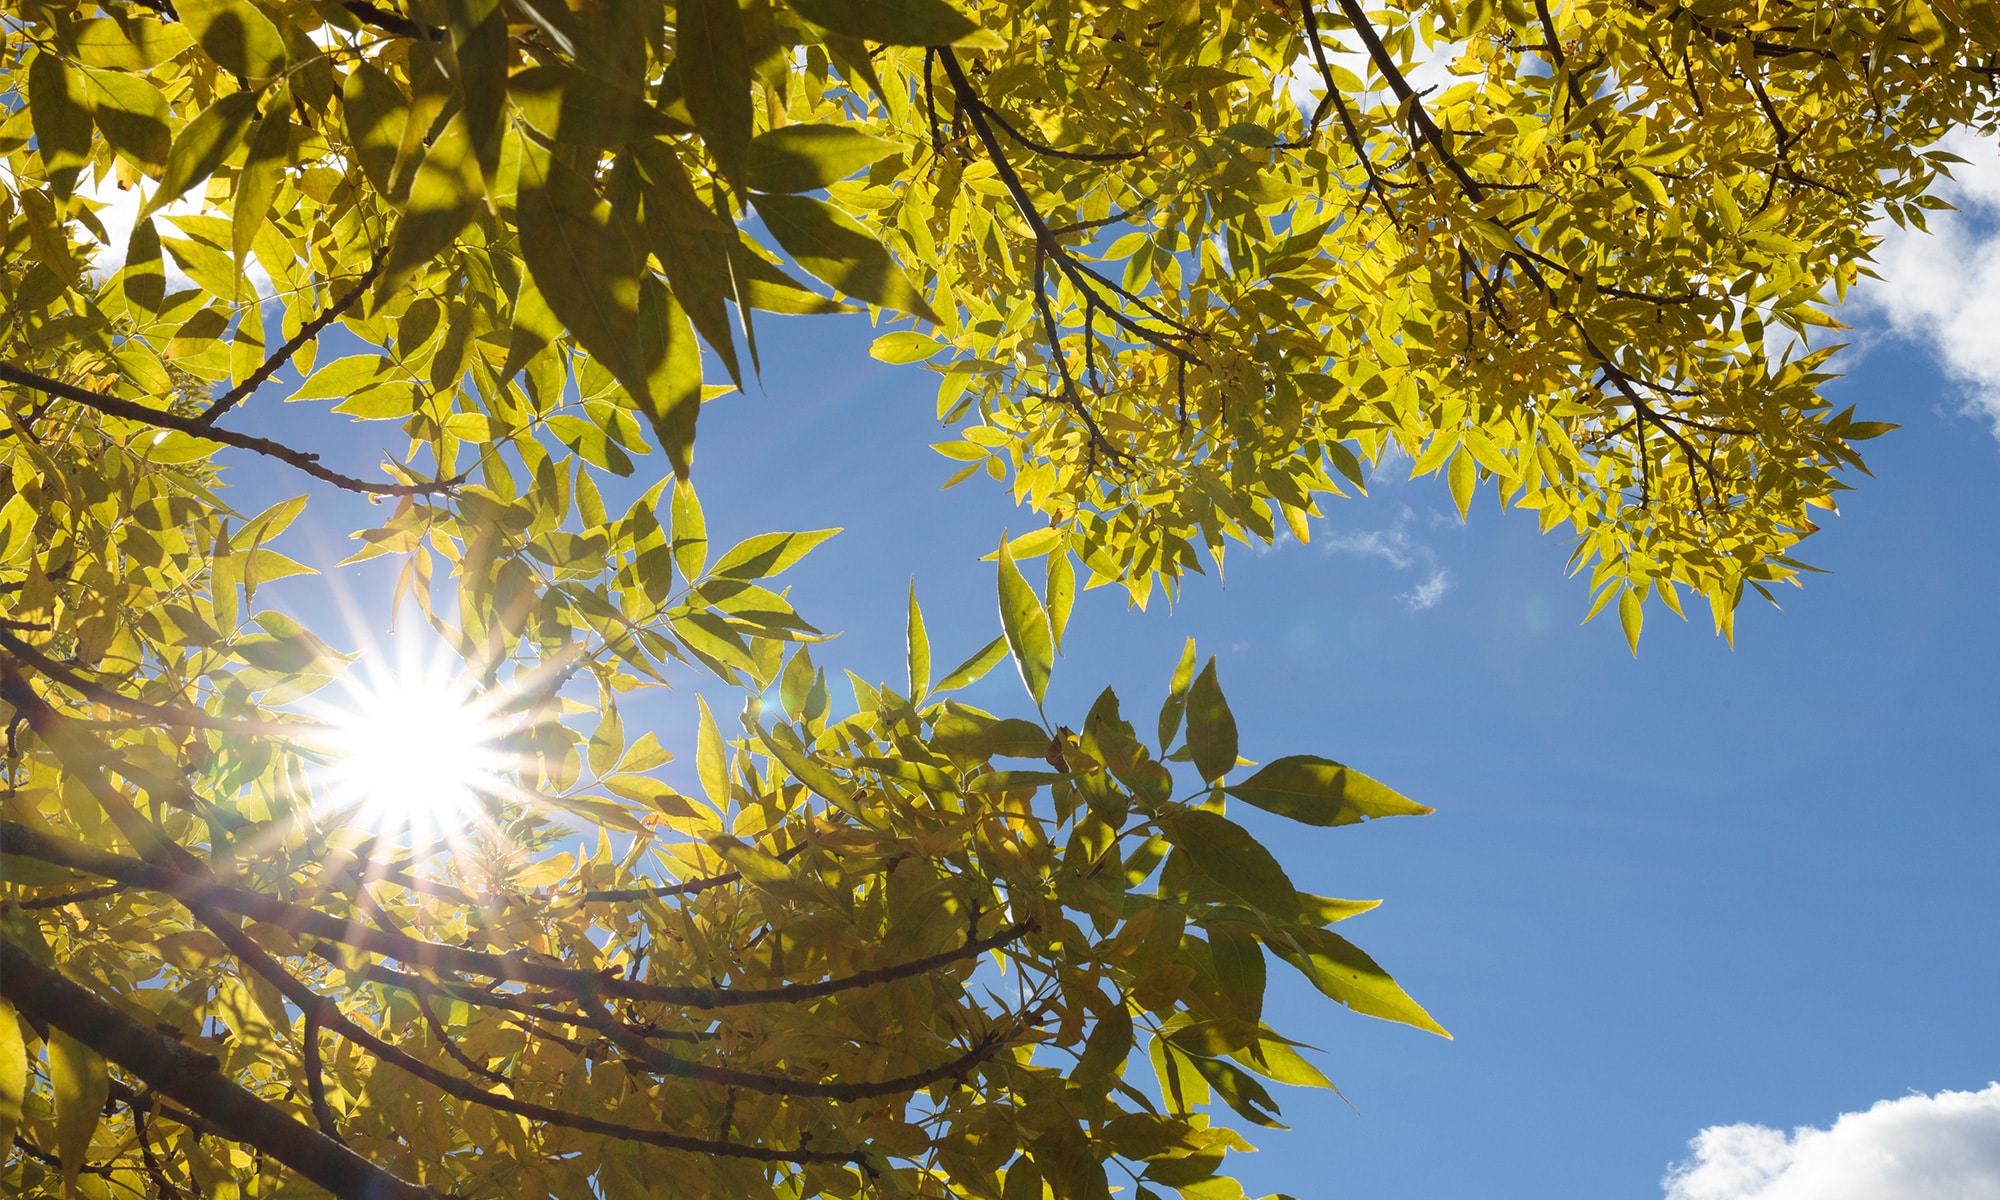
(1184, 271)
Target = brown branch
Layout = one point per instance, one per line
(252, 956)
(283, 354)
(153, 1169)
(174, 715)
(571, 982)
(691, 887)
(657, 1060)
(194, 1079)
(126, 410)
(391, 22)
(316, 1077)
(83, 896)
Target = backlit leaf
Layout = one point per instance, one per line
(890, 22)
(1319, 791)
(1211, 727)
(834, 247)
(805, 158)
(204, 142)
(1027, 627)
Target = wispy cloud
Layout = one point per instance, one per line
(1942, 290)
(1395, 546)
(1942, 1147)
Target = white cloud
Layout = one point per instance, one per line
(1396, 547)
(1428, 593)
(1942, 1147)
(1942, 290)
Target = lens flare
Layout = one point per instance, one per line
(414, 751)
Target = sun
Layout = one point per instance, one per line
(414, 750)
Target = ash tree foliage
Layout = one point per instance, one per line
(1183, 270)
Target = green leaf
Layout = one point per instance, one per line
(574, 108)
(917, 647)
(693, 243)
(690, 532)
(835, 248)
(582, 264)
(905, 346)
(1108, 1046)
(1226, 853)
(784, 746)
(60, 113)
(1319, 791)
(1061, 593)
(1240, 1090)
(1239, 970)
(241, 40)
(607, 741)
(1176, 702)
(711, 758)
(1632, 615)
(81, 1086)
(212, 136)
(132, 115)
(768, 554)
(672, 399)
(1343, 971)
(973, 669)
(128, 44)
(375, 111)
(890, 22)
(479, 40)
(713, 62)
(1211, 727)
(1027, 627)
(13, 1073)
(969, 733)
(442, 201)
(805, 158)
(257, 183)
(342, 377)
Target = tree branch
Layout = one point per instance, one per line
(194, 1079)
(253, 957)
(570, 982)
(283, 354)
(175, 715)
(112, 406)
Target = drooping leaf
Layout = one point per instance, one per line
(479, 41)
(672, 399)
(1211, 727)
(442, 201)
(204, 142)
(257, 183)
(77, 1074)
(376, 111)
(713, 62)
(60, 111)
(132, 115)
(805, 158)
(834, 247)
(890, 22)
(582, 264)
(1227, 854)
(1027, 627)
(242, 40)
(573, 108)
(13, 1073)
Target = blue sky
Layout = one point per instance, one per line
(1700, 887)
